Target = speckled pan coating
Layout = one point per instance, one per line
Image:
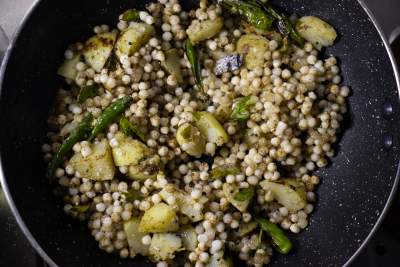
(355, 188)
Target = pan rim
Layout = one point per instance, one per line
(32, 240)
(4, 186)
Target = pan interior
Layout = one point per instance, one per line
(355, 187)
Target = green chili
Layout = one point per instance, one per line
(109, 115)
(130, 129)
(282, 244)
(285, 27)
(80, 133)
(192, 55)
(253, 13)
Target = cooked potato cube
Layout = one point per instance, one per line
(98, 49)
(189, 238)
(134, 237)
(160, 218)
(172, 64)
(68, 68)
(146, 169)
(285, 195)
(132, 38)
(297, 186)
(191, 140)
(253, 47)
(98, 166)
(184, 201)
(229, 192)
(164, 246)
(202, 30)
(316, 31)
(129, 151)
(210, 128)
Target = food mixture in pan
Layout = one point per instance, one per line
(191, 136)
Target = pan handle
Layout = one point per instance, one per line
(3, 43)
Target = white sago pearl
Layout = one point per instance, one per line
(113, 142)
(195, 194)
(216, 245)
(86, 151)
(162, 264)
(202, 238)
(100, 207)
(230, 179)
(149, 20)
(146, 240)
(210, 148)
(204, 257)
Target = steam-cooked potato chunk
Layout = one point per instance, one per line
(98, 49)
(146, 169)
(229, 192)
(190, 140)
(134, 237)
(98, 165)
(189, 238)
(132, 38)
(253, 47)
(160, 218)
(285, 195)
(184, 201)
(68, 68)
(316, 31)
(164, 246)
(129, 151)
(210, 128)
(172, 64)
(202, 30)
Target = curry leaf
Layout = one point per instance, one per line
(192, 55)
(130, 129)
(80, 208)
(241, 109)
(87, 92)
(132, 195)
(131, 15)
(222, 171)
(245, 194)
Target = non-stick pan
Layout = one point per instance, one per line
(357, 186)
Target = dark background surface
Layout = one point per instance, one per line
(383, 250)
